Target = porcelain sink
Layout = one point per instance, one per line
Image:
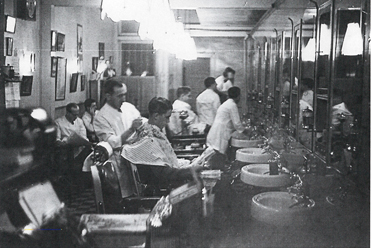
(240, 140)
(253, 155)
(280, 209)
(258, 175)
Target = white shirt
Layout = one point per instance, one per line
(65, 129)
(207, 104)
(175, 123)
(222, 85)
(226, 122)
(308, 96)
(88, 123)
(109, 124)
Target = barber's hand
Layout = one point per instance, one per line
(197, 168)
(136, 124)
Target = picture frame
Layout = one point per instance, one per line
(101, 50)
(94, 64)
(53, 43)
(83, 81)
(60, 82)
(10, 24)
(79, 42)
(53, 67)
(26, 85)
(60, 42)
(9, 46)
(73, 82)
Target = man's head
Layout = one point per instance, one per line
(90, 105)
(229, 74)
(234, 93)
(72, 112)
(184, 94)
(210, 83)
(307, 84)
(160, 110)
(115, 93)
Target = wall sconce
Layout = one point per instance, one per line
(353, 41)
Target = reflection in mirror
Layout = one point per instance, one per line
(347, 88)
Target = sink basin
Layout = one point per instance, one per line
(258, 175)
(240, 143)
(252, 155)
(275, 208)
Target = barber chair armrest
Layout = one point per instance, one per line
(138, 204)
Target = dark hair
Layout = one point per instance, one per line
(109, 86)
(70, 106)
(308, 82)
(286, 71)
(159, 105)
(183, 90)
(88, 103)
(209, 81)
(233, 92)
(227, 70)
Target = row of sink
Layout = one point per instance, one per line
(279, 208)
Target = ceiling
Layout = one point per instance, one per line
(230, 18)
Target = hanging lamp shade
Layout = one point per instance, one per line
(353, 41)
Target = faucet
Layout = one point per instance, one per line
(300, 191)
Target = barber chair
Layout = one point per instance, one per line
(107, 188)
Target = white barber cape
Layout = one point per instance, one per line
(207, 104)
(175, 124)
(226, 122)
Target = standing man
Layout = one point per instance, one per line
(182, 104)
(226, 122)
(115, 123)
(208, 102)
(88, 117)
(225, 82)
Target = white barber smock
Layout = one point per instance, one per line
(109, 124)
(226, 122)
(207, 104)
(222, 85)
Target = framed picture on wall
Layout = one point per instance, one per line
(60, 42)
(83, 81)
(53, 43)
(80, 42)
(73, 82)
(94, 64)
(61, 79)
(101, 50)
(9, 46)
(26, 85)
(53, 68)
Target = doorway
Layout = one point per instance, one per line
(194, 73)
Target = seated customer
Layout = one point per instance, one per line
(71, 134)
(151, 147)
(182, 104)
(88, 117)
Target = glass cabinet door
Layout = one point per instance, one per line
(323, 81)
